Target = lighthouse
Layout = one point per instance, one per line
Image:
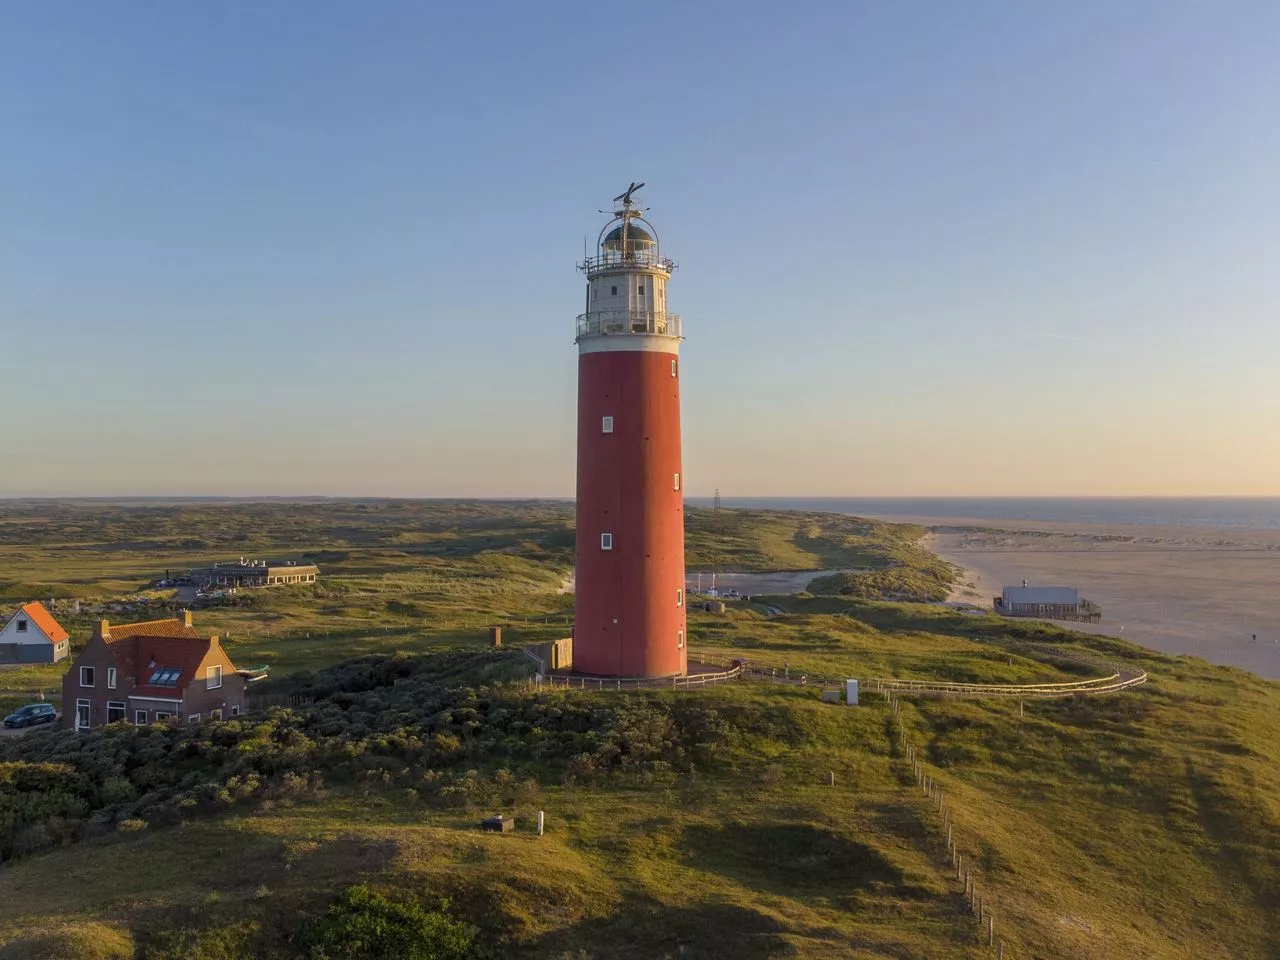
(629, 617)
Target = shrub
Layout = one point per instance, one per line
(364, 925)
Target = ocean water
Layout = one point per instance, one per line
(1254, 513)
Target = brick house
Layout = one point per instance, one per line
(33, 636)
(155, 670)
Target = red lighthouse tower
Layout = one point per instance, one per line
(630, 615)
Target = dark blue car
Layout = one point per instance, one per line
(31, 714)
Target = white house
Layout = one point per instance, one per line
(33, 636)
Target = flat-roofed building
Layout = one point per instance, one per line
(260, 573)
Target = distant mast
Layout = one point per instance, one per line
(629, 604)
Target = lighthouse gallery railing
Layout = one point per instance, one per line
(623, 322)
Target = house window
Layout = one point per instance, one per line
(606, 424)
(86, 676)
(677, 481)
(193, 718)
(111, 678)
(613, 291)
(606, 541)
(22, 626)
(165, 676)
(82, 715)
(680, 598)
(115, 711)
(235, 709)
(673, 368)
(215, 714)
(680, 640)
(162, 715)
(140, 717)
(213, 677)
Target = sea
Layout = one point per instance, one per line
(1253, 513)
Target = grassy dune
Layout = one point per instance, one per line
(688, 825)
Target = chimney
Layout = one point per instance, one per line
(103, 629)
(184, 618)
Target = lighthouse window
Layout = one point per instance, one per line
(673, 368)
(677, 481)
(606, 541)
(679, 598)
(680, 640)
(642, 289)
(606, 424)
(613, 291)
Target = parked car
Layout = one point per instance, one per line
(31, 714)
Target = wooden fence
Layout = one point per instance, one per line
(981, 907)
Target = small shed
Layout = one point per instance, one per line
(498, 823)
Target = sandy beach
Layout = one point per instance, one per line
(1179, 590)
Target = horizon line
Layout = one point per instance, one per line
(115, 497)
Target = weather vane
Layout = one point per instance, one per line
(625, 196)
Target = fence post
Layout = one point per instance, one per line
(831, 778)
(1000, 950)
(991, 928)
(541, 821)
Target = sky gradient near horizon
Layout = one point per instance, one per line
(925, 249)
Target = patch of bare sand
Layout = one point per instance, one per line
(1180, 590)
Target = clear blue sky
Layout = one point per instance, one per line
(925, 248)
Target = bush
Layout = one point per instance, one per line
(364, 925)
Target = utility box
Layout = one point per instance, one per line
(562, 654)
(851, 692)
(498, 824)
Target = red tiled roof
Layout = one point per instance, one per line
(140, 657)
(143, 648)
(172, 627)
(43, 619)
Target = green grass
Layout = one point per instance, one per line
(1140, 825)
